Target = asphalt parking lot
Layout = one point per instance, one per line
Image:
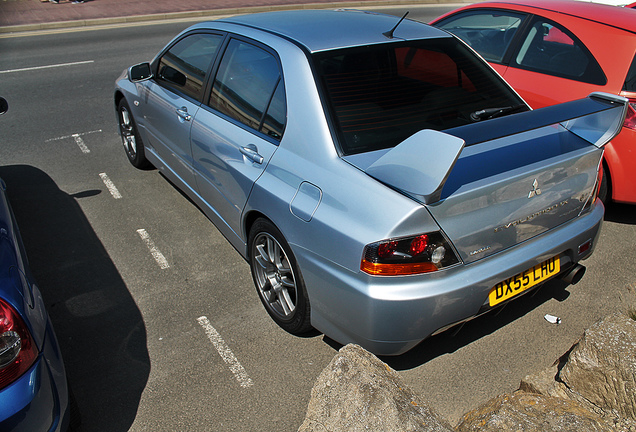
(157, 316)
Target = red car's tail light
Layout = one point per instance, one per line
(630, 119)
(408, 255)
(17, 348)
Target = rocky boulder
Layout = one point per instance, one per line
(599, 372)
(592, 388)
(358, 392)
(531, 412)
(602, 366)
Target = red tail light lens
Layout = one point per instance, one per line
(17, 348)
(630, 119)
(423, 253)
(419, 245)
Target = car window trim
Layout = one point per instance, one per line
(518, 38)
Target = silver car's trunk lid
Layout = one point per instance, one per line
(503, 192)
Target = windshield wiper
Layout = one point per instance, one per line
(489, 113)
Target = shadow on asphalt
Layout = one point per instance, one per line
(99, 327)
(457, 337)
(621, 213)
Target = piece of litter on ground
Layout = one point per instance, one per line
(552, 319)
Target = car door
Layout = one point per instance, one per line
(551, 65)
(237, 132)
(173, 98)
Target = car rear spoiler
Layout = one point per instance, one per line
(596, 119)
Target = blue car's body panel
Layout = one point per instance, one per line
(38, 400)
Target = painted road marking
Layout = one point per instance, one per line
(77, 137)
(46, 67)
(80, 143)
(110, 186)
(226, 353)
(156, 253)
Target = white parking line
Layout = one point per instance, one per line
(110, 186)
(80, 143)
(46, 67)
(156, 253)
(77, 137)
(226, 353)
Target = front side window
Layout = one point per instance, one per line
(185, 65)
(382, 94)
(249, 88)
(487, 32)
(551, 49)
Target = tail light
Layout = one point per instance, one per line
(418, 254)
(630, 119)
(17, 348)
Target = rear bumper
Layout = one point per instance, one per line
(38, 401)
(390, 315)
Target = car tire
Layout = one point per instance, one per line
(131, 140)
(277, 277)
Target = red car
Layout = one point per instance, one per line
(554, 51)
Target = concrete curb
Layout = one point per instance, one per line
(136, 19)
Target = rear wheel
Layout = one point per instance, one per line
(277, 278)
(131, 140)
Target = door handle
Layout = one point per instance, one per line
(183, 114)
(251, 151)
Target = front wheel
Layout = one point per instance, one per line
(277, 278)
(131, 140)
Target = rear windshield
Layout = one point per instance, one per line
(380, 95)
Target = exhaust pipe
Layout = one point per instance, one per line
(574, 275)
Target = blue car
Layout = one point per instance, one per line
(34, 393)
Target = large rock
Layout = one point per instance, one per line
(531, 412)
(602, 366)
(598, 373)
(358, 392)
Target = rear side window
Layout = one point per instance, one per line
(487, 32)
(630, 80)
(185, 65)
(551, 49)
(380, 95)
(249, 88)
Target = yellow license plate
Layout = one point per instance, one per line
(517, 284)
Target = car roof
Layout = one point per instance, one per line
(615, 16)
(320, 30)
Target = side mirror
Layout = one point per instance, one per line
(140, 72)
(4, 105)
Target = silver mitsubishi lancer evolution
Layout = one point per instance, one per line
(382, 181)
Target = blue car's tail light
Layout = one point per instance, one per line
(422, 253)
(17, 348)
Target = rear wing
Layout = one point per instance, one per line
(596, 119)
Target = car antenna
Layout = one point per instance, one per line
(389, 34)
